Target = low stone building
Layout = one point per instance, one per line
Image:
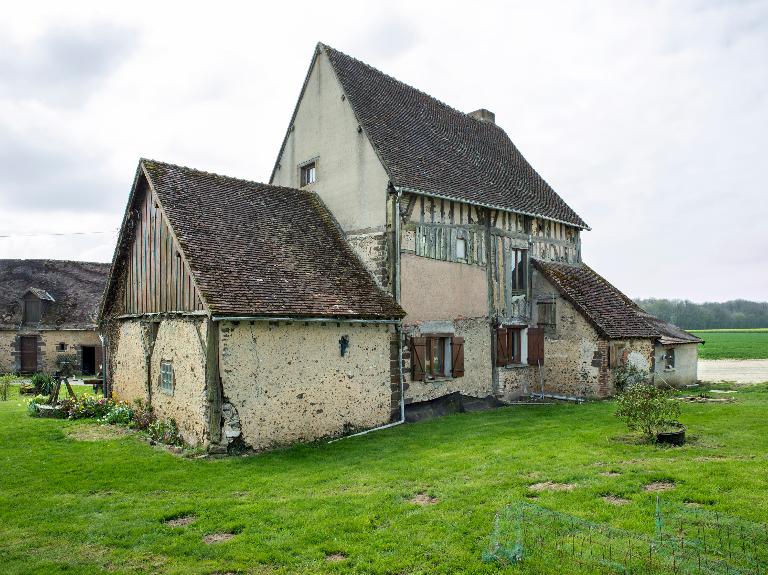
(48, 312)
(239, 310)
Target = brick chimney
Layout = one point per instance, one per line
(484, 115)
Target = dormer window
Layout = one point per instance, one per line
(32, 308)
(308, 174)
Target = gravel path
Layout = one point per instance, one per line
(736, 370)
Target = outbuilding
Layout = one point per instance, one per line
(239, 310)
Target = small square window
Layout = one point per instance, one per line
(308, 174)
(61, 346)
(461, 249)
(166, 377)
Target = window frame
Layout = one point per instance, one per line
(669, 358)
(503, 333)
(517, 258)
(437, 357)
(61, 347)
(463, 256)
(305, 170)
(167, 377)
(550, 328)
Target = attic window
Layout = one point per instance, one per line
(32, 310)
(308, 174)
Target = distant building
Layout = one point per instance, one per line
(48, 314)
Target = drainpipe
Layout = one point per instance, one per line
(398, 329)
(104, 364)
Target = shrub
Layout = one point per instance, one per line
(648, 409)
(32, 408)
(121, 413)
(629, 375)
(5, 384)
(165, 431)
(87, 406)
(143, 416)
(27, 389)
(43, 383)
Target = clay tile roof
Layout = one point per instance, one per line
(71, 290)
(262, 250)
(613, 314)
(670, 333)
(427, 146)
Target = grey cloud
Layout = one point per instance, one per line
(63, 66)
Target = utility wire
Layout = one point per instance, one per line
(55, 234)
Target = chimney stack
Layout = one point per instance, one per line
(484, 115)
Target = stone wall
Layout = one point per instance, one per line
(129, 365)
(182, 343)
(7, 348)
(288, 381)
(47, 342)
(371, 247)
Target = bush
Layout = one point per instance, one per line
(121, 413)
(629, 375)
(165, 431)
(648, 409)
(5, 384)
(27, 389)
(143, 416)
(43, 383)
(34, 402)
(87, 406)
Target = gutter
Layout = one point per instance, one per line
(313, 319)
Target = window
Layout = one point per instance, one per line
(509, 345)
(166, 377)
(32, 310)
(308, 174)
(616, 352)
(436, 357)
(61, 346)
(669, 358)
(547, 315)
(461, 248)
(516, 260)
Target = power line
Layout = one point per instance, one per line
(55, 234)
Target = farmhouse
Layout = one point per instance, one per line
(451, 219)
(238, 310)
(48, 314)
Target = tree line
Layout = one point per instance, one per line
(712, 315)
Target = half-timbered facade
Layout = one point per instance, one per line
(238, 310)
(449, 217)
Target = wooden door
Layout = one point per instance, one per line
(28, 354)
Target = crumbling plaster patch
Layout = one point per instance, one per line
(289, 382)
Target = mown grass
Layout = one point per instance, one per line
(70, 506)
(733, 343)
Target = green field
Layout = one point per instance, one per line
(733, 343)
(76, 499)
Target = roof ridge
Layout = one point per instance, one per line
(430, 96)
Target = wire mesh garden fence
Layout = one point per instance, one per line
(681, 540)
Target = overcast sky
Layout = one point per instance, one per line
(649, 118)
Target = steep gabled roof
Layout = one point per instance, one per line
(613, 314)
(429, 147)
(72, 291)
(260, 250)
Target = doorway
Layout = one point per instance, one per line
(89, 360)
(28, 349)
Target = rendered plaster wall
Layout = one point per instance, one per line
(477, 378)
(686, 363)
(129, 366)
(182, 342)
(289, 382)
(439, 290)
(350, 178)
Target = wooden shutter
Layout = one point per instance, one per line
(535, 346)
(457, 356)
(418, 357)
(502, 347)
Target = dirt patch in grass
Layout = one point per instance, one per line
(97, 432)
(610, 473)
(552, 486)
(423, 499)
(706, 399)
(657, 486)
(212, 538)
(614, 500)
(335, 557)
(180, 521)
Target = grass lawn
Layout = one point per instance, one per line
(70, 505)
(733, 343)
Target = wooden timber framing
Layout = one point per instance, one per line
(158, 276)
(213, 380)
